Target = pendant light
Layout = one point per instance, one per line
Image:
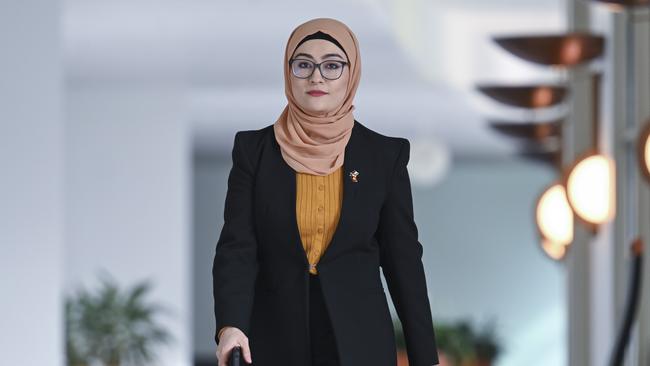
(643, 151)
(590, 181)
(554, 216)
(555, 251)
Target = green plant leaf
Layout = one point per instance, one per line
(112, 325)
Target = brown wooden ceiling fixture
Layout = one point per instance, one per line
(560, 50)
(567, 49)
(526, 96)
(549, 156)
(530, 131)
(625, 3)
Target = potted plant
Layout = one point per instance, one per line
(112, 326)
(458, 344)
(454, 343)
(464, 346)
(486, 345)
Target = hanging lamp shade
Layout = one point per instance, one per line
(526, 96)
(542, 153)
(624, 3)
(591, 189)
(555, 251)
(553, 215)
(643, 151)
(533, 131)
(568, 49)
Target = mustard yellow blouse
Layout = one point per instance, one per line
(318, 207)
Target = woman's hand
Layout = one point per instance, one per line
(229, 339)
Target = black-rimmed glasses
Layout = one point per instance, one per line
(330, 69)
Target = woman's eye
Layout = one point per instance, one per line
(304, 65)
(332, 65)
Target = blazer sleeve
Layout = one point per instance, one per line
(235, 266)
(401, 262)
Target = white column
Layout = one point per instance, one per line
(627, 64)
(577, 132)
(639, 354)
(626, 78)
(578, 261)
(31, 184)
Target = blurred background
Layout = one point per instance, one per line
(117, 123)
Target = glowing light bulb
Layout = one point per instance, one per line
(554, 250)
(591, 189)
(644, 151)
(554, 215)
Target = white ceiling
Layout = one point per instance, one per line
(421, 59)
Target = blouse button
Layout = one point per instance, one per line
(321, 187)
(320, 208)
(320, 230)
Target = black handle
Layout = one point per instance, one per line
(236, 358)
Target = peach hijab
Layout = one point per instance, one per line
(316, 144)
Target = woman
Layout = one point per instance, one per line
(316, 204)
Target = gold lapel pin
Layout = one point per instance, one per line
(354, 174)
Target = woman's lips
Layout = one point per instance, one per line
(316, 94)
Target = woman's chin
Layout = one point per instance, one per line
(318, 111)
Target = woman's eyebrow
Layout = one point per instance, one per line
(324, 56)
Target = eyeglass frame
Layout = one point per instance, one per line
(345, 63)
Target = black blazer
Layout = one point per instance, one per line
(261, 272)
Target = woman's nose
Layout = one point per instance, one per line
(316, 75)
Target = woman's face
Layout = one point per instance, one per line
(319, 50)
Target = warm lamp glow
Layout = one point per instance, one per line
(554, 216)
(572, 50)
(542, 96)
(644, 151)
(591, 189)
(554, 250)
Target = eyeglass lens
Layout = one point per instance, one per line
(305, 68)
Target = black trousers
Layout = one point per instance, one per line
(323, 345)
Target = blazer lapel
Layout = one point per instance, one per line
(287, 191)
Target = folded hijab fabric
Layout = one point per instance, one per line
(310, 143)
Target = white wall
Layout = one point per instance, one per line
(31, 184)
(127, 197)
